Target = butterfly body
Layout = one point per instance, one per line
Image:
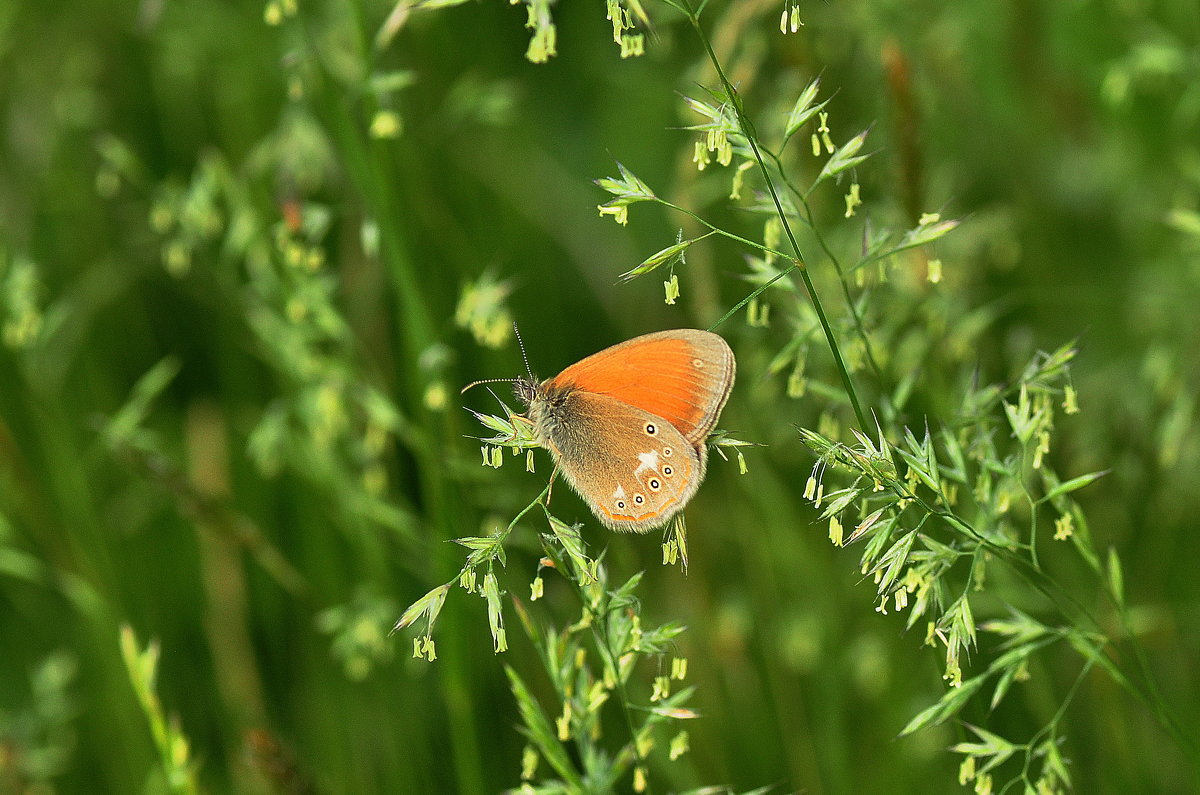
(627, 426)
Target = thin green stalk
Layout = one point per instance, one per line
(1185, 739)
(747, 129)
(599, 627)
(604, 641)
(757, 292)
(796, 264)
(851, 305)
(723, 232)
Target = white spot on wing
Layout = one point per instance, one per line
(619, 493)
(648, 461)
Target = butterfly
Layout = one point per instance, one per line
(627, 426)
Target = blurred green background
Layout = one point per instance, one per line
(280, 206)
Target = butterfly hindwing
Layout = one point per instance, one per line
(633, 468)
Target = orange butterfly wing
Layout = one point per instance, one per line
(683, 376)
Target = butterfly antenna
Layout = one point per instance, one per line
(521, 345)
(487, 381)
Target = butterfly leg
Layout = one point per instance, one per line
(550, 486)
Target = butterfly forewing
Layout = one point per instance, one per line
(682, 376)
